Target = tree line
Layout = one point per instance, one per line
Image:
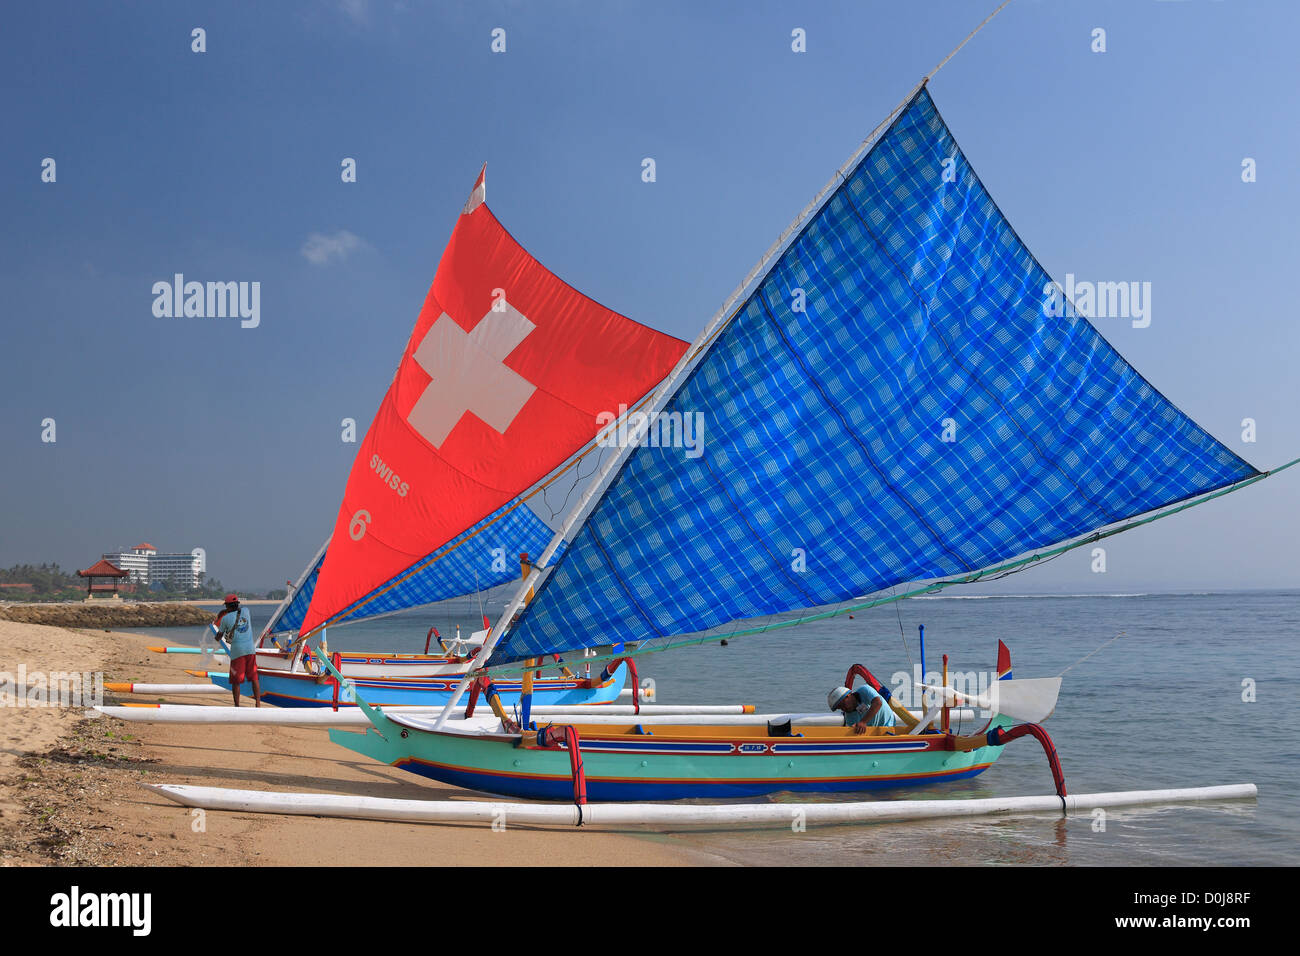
(49, 582)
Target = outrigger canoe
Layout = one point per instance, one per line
(649, 760)
(673, 757)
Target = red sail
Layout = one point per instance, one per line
(503, 378)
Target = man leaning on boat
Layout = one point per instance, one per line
(862, 708)
(234, 628)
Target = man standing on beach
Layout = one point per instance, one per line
(234, 627)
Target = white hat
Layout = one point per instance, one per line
(835, 696)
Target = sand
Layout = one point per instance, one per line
(70, 794)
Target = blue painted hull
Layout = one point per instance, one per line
(606, 790)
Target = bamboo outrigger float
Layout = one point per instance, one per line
(623, 816)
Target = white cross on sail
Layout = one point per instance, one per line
(469, 374)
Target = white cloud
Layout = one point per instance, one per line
(357, 10)
(320, 249)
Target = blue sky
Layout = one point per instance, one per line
(1123, 165)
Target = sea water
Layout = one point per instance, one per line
(1200, 690)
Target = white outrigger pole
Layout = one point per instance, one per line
(672, 816)
(354, 716)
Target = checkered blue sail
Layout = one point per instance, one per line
(924, 415)
(290, 618)
(479, 558)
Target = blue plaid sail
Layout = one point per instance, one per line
(290, 619)
(924, 415)
(479, 558)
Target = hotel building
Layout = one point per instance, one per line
(147, 566)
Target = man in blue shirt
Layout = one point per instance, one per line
(862, 708)
(234, 628)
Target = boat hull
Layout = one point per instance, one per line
(667, 765)
(305, 690)
(388, 666)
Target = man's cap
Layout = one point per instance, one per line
(232, 598)
(835, 696)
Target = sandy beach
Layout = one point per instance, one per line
(70, 789)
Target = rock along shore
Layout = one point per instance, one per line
(124, 614)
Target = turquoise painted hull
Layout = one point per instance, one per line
(303, 690)
(714, 762)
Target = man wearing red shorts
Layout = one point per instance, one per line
(234, 627)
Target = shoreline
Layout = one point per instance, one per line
(70, 794)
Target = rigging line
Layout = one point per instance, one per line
(969, 37)
(1088, 655)
(578, 478)
(898, 608)
(576, 458)
(1038, 563)
(478, 594)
